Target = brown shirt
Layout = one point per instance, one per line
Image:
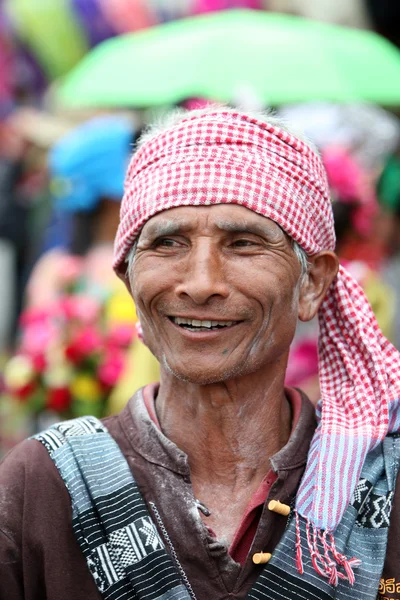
(41, 560)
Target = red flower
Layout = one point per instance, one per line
(85, 342)
(58, 399)
(24, 392)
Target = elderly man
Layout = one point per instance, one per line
(219, 482)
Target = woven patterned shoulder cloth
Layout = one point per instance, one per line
(111, 522)
(362, 532)
(128, 559)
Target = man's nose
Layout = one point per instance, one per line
(204, 275)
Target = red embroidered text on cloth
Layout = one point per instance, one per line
(229, 157)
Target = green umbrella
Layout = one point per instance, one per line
(281, 58)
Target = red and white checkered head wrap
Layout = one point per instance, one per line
(229, 157)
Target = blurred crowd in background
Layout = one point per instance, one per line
(68, 338)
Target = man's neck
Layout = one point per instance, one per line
(228, 431)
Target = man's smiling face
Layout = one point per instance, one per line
(217, 291)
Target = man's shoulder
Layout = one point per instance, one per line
(22, 457)
(27, 464)
(127, 425)
(36, 536)
(29, 461)
(30, 487)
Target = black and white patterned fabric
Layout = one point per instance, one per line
(362, 533)
(127, 556)
(121, 544)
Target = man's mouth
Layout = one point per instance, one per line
(204, 325)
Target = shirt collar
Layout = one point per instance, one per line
(148, 440)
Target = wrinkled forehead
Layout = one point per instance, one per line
(229, 218)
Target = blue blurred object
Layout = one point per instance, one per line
(90, 163)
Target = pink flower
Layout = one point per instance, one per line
(111, 369)
(70, 269)
(121, 335)
(303, 361)
(80, 307)
(37, 337)
(34, 315)
(350, 184)
(39, 362)
(344, 175)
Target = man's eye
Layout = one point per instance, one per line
(165, 243)
(243, 243)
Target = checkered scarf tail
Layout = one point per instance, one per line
(229, 157)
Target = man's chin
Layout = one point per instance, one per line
(202, 375)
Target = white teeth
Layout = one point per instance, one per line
(198, 323)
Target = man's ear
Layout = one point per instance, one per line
(123, 276)
(322, 271)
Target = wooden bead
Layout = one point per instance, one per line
(279, 507)
(260, 558)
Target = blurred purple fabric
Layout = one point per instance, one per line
(21, 78)
(6, 60)
(93, 20)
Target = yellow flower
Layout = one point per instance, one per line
(18, 372)
(120, 308)
(84, 387)
(58, 375)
